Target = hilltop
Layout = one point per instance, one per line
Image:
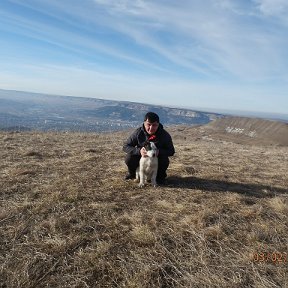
(242, 130)
(69, 220)
(250, 130)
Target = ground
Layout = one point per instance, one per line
(68, 219)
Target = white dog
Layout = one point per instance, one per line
(148, 166)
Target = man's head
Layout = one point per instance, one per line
(151, 122)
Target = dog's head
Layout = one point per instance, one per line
(151, 149)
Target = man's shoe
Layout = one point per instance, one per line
(130, 177)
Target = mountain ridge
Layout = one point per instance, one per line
(33, 111)
(249, 130)
(49, 112)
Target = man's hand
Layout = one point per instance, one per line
(143, 152)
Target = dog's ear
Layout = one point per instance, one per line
(153, 146)
(146, 142)
(148, 145)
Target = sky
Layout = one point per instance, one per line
(212, 54)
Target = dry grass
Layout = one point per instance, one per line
(69, 220)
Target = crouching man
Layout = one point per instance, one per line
(151, 130)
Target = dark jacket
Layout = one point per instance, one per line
(137, 139)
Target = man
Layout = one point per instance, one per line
(133, 146)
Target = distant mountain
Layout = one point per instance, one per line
(253, 130)
(34, 111)
(243, 130)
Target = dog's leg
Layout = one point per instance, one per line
(137, 174)
(142, 178)
(153, 178)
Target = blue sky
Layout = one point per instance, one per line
(215, 54)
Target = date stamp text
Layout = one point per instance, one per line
(270, 257)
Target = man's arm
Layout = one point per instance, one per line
(130, 145)
(168, 147)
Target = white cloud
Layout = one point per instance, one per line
(209, 38)
(273, 7)
(122, 48)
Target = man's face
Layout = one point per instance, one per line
(151, 128)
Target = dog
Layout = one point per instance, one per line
(148, 166)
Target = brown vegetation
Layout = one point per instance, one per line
(248, 131)
(69, 220)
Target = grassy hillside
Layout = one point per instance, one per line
(249, 130)
(69, 220)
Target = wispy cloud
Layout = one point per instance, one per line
(84, 43)
(194, 44)
(276, 8)
(210, 36)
